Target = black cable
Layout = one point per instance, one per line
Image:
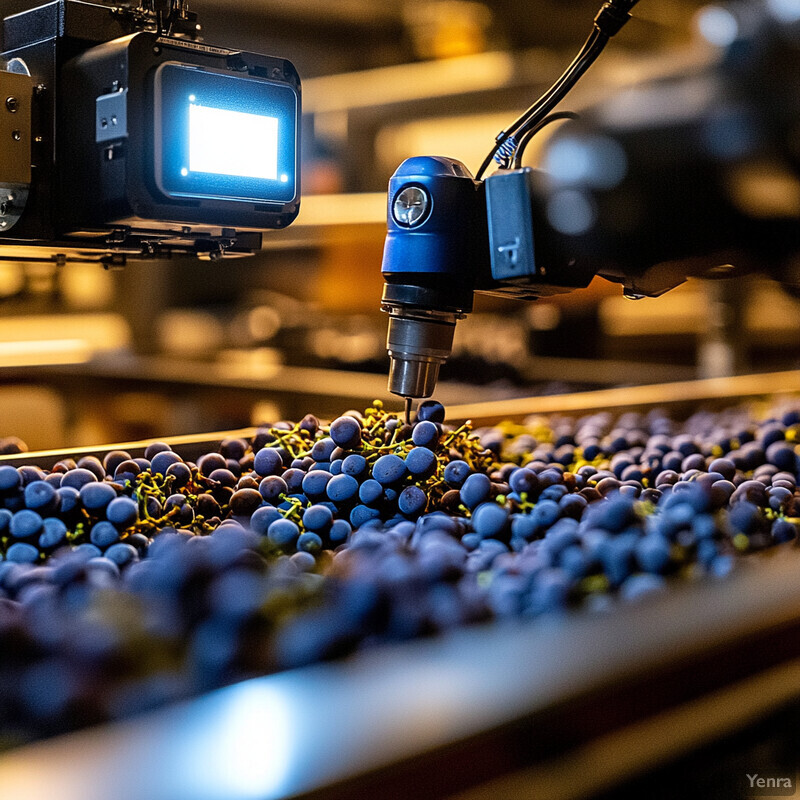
(588, 54)
(531, 132)
(611, 18)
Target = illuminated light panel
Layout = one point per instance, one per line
(223, 142)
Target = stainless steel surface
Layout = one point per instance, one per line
(418, 343)
(322, 727)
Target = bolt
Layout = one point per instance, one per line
(16, 135)
(12, 104)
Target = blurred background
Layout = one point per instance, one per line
(90, 356)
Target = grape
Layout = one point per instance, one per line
(355, 465)
(54, 534)
(489, 520)
(162, 461)
(9, 479)
(40, 495)
(78, 478)
(340, 530)
(425, 434)
(122, 554)
(322, 450)
(309, 542)
(122, 512)
(113, 459)
(208, 463)
(317, 518)
(22, 553)
(421, 462)
(389, 469)
(272, 488)
(346, 432)
(430, 410)
(25, 524)
(370, 492)
(96, 496)
(476, 490)
(268, 461)
(103, 535)
(456, 472)
(315, 483)
(283, 533)
(362, 514)
(412, 501)
(342, 488)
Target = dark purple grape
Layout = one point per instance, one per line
(346, 433)
(430, 410)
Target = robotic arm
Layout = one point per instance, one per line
(667, 180)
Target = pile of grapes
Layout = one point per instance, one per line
(133, 582)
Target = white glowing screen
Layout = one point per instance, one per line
(226, 142)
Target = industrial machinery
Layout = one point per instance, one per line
(124, 135)
(680, 176)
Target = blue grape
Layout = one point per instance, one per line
(283, 533)
(421, 462)
(22, 553)
(162, 461)
(361, 514)
(342, 488)
(370, 492)
(272, 487)
(489, 520)
(122, 512)
(53, 535)
(322, 450)
(96, 496)
(25, 524)
(103, 534)
(412, 501)
(425, 434)
(78, 478)
(456, 472)
(477, 489)
(309, 542)
(40, 494)
(389, 469)
(355, 465)
(122, 554)
(262, 518)
(315, 483)
(9, 479)
(346, 432)
(317, 518)
(340, 530)
(268, 461)
(431, 410)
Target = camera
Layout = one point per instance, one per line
(124, 135)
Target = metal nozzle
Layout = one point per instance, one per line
(419, 342)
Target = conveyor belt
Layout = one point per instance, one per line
(432, 718)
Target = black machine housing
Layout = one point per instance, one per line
(103, 128)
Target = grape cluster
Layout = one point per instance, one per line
(131, 582)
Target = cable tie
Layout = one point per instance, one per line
(611, 19)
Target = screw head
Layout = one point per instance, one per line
(411, 206)
(12, 104)
(16, 135)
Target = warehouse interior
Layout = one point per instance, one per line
(122, 354)
(267, 530)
